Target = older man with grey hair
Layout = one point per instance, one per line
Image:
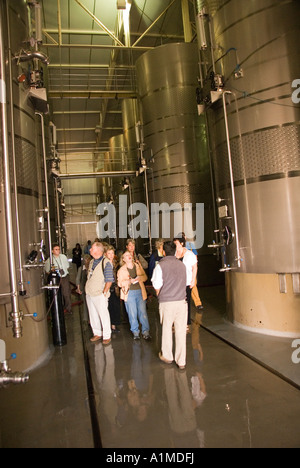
(99, 280)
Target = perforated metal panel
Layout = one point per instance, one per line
(27, 177)
(273, 151)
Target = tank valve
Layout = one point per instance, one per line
(6, 376)
(16, 319)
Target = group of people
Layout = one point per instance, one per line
(104, 280)
(107, 282)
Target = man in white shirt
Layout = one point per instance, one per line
(189, 259)
(61, 264)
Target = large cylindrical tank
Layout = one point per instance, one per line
(136, 190)
(256, 50)
(175, 139)
(28, 176)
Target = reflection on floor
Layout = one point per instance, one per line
(222, 399)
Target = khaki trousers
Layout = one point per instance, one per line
(174, 313)
(99, 315)
(195, 296)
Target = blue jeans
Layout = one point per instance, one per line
(137, 312)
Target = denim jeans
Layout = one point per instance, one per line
(137, 312)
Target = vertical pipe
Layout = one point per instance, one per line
(231, 180)
(188, 36)
(13, 150)
(15, 314)
(148, 211)
(57, 213)
(47, 209)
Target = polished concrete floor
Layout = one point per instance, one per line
(121, 396)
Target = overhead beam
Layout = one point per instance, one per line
(90, 175)
(59, 22)
(97, 21)
(154, 22)
(188, 35)
(98, 46)
(87, 32)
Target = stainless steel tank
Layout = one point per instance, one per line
(25, 150)
(254, 130)
(175, 138)
(135, 191)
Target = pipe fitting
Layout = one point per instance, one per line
(16, 319)
(26, 56)
(7, 378)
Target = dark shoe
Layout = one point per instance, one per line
(115, 330)
(147, 337)
(163, 359)
(200, 307)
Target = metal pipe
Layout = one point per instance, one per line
(148, 211)
(211, 44)
(26, 56)
(99, 46)
(89, 175)
(13, 151)
(46, 185)
(7, 378)
(16, 315)
(57, 213)
(231, 179)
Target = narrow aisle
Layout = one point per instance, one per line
(52, 409)
(222, 399)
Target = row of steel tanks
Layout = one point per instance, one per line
(250, 99)
(24, 212)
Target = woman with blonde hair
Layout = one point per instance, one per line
(131, 279)
(130, 246)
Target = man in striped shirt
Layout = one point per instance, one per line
(99, 280)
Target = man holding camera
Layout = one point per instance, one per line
(61, 265)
